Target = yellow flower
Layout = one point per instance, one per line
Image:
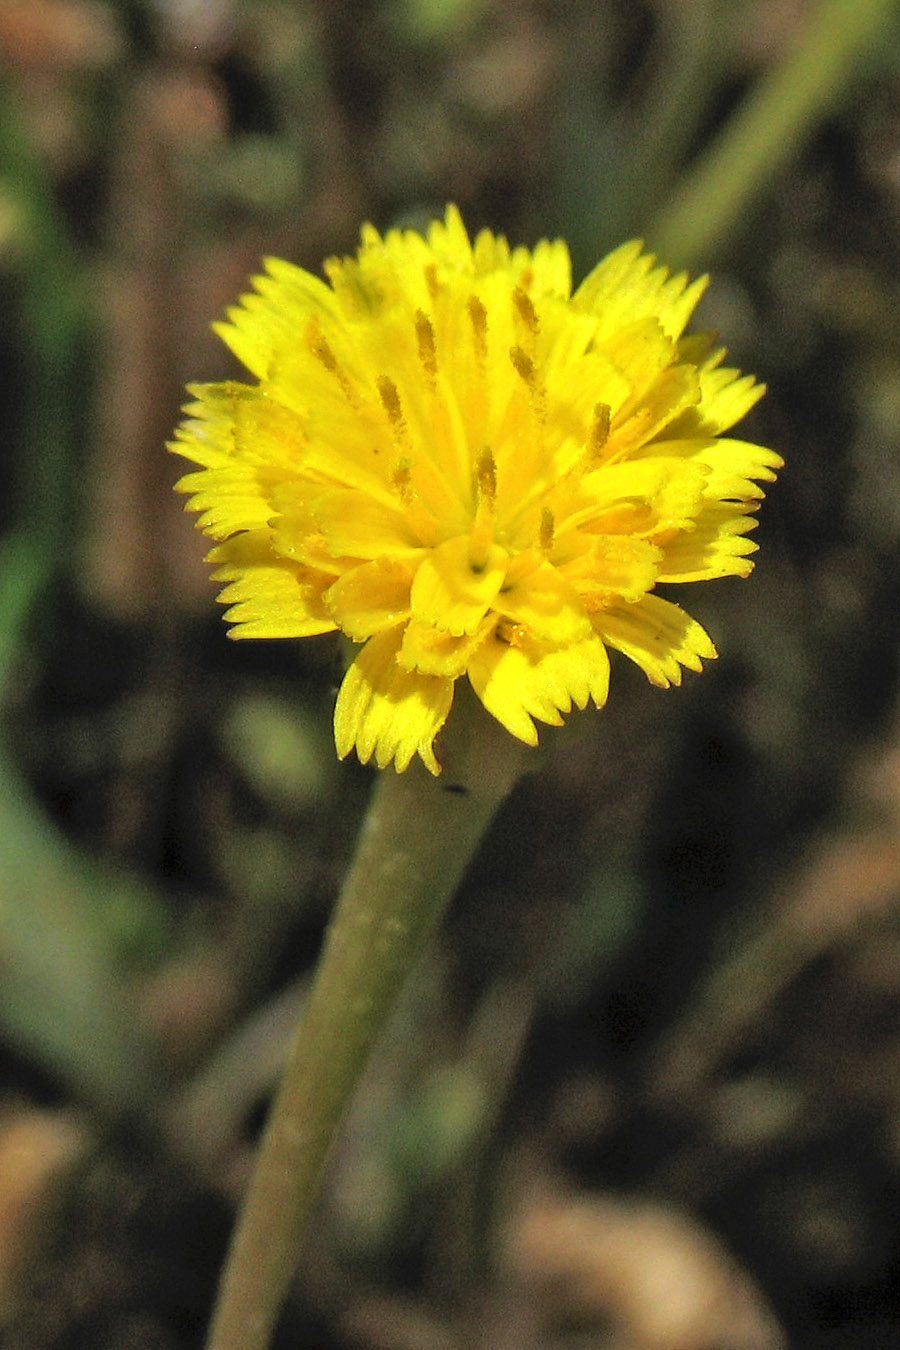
(470, 470)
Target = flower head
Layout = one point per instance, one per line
(472, 471)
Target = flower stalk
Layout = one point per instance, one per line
(418, 838)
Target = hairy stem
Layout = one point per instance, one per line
(417, 840)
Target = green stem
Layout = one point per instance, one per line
(417, 841)
(767, 130)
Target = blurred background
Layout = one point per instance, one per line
(646, 1093)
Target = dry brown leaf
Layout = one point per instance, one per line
(34, 1147)
(664, 1281)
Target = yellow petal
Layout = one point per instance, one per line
(353, 525)
(545, 602)
(717, 547)
(614, 565)
(434, 651)
(269, 318)
(388, 712)
(658, 636)
(725, 397)
(269, 596)
(552, 269)
(647, 413)
(449, 239)
(639, 351)
(207, 435)
(638, 496)
(370, 597)
(248, 446)
(626, 286)
(518, 683)
(450, 592)
(732, 469)
(228, 501)
(732, 466)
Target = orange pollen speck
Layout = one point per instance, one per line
(545, 537)
(486, 476)
(321, 350)
(431, 281)
(524, 366)
(478, 320)
(390, 398)
(319, 347)
(482, 536)
(401, 479)
(425, 339)
(599, 433)
(526, 311)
